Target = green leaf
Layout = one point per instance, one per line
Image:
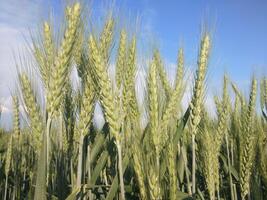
(99, 166)
(225, 167)
(99, 143)
(74, 194)
(183, 196)
(115, 184)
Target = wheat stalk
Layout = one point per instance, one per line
(8, 161)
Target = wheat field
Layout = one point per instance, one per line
(153, 150)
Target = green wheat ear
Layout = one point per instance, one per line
(209, 160)
(198, 92)
(128, 90)
(162, 73)
(265, 92)
(121, 58)
(248, 144)
(32, 108)
(104, 83)
(16, 118)
(61, 66)
(197, 99)
(106, 38)
(87, 106)
(8, 159)
(153, 105)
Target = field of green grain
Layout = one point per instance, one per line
(150, 151)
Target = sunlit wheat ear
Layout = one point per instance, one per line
(248, 144)
(251, 106)
(8, 158)
(180, 68)
(197, 99)
(262, 94)
(173, 105)
(209, 160)
(198, 92)
(153, 104)
(121, 58)
(41, 62)
(139, 170)
(221, 130)
(106, 96)
(223, 114)
(87, 106)
(265, 92)
(69, 117)
(172, 170)
(162, 73)
(153, 183)
(218, 104)
(49, 51)
(109, 103)
(44, 53)
(16, 118)
(32, 108)
(238, 94)
(106, 38)
(263, 155)
(78, 48)
(129, 79)
(61, 65)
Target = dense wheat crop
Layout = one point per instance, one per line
(150, 149)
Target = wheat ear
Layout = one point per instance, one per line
(121, 58)
(162, 73)
(61, 66)
(247, 151)
(173, 107)
(139, 170)
(208, 156)
(16, 120)
(49, 51)
(153, 105)
(108, 101)
(197, 99)
(129, 80)
(32, 108)
(104, 84)
(87, 106)
(106, 38)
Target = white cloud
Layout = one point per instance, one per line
(10, 40)
(98, 118)
(17, 17)
(21, 13)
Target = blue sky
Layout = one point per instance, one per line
(238, 28)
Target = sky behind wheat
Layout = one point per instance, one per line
(238, 28)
